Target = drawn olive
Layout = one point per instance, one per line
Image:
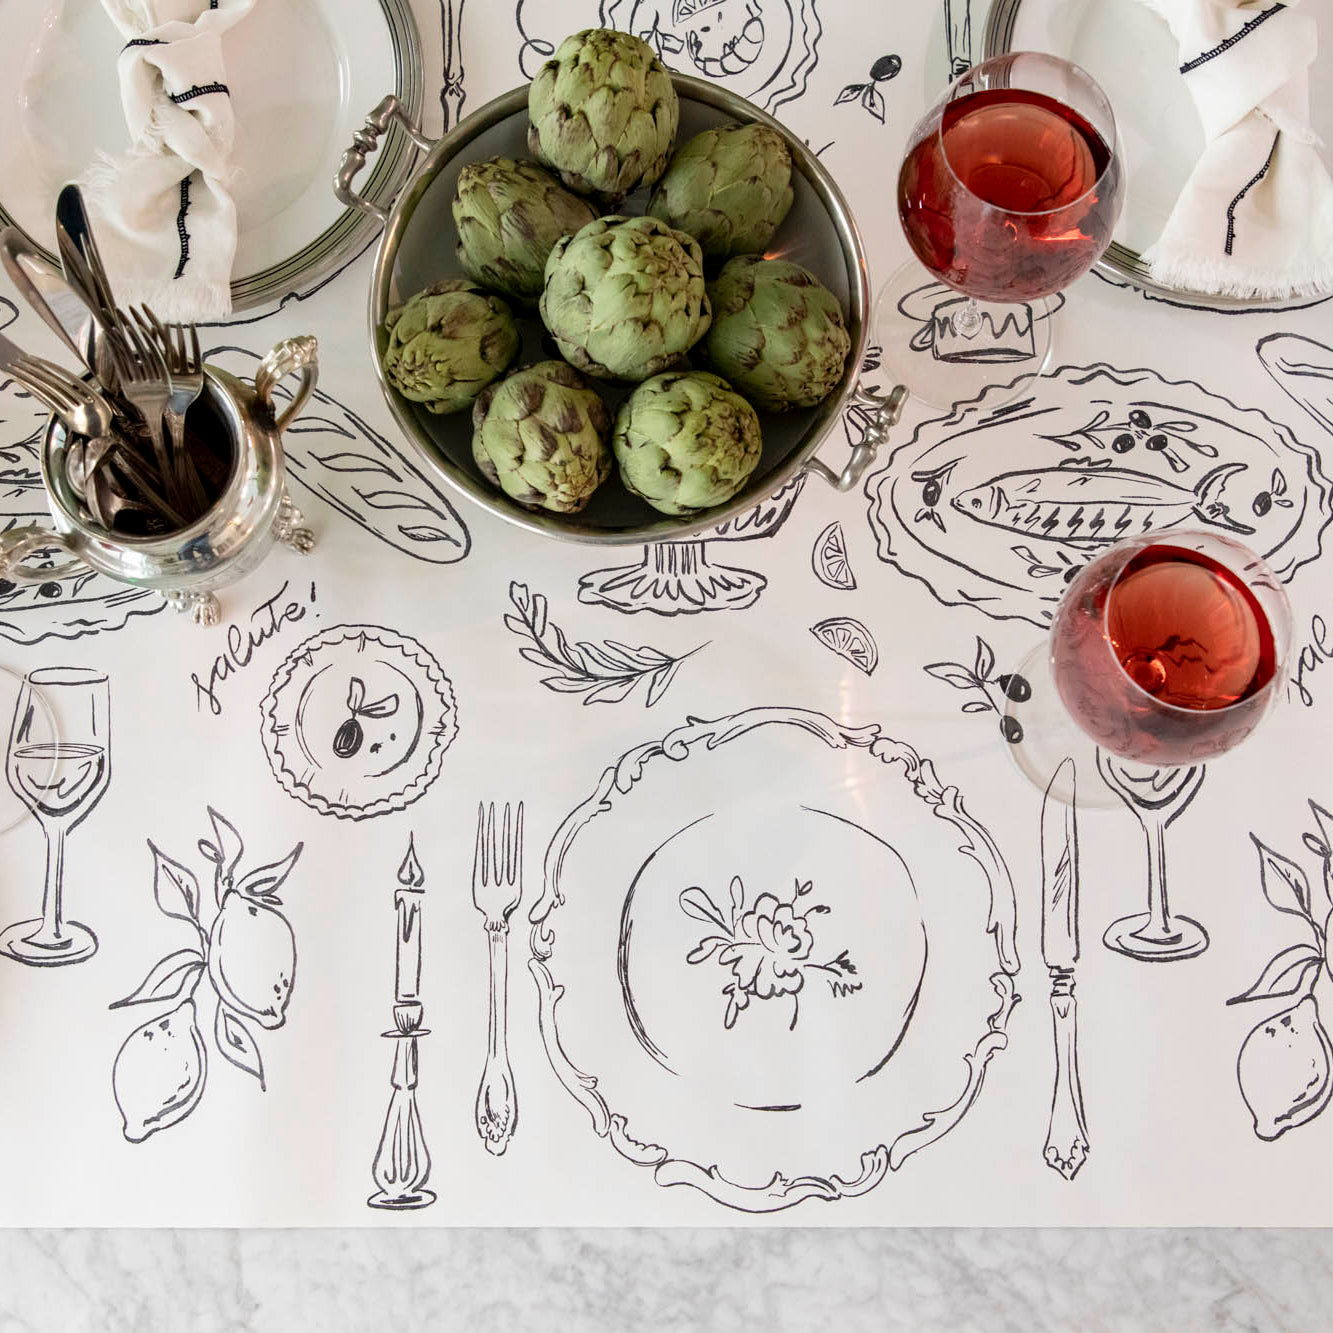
(1011, 729)
(886, 67)
(1156, 442)
(930, 492)
(1072, 573)
(347, 740)
(6, 587)
(1263, 502)
(49, 590)
(1138, 417)
(1015, 687)
(1122, 444)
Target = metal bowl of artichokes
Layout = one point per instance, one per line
(419, 290)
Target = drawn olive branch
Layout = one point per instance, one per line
(604, 672)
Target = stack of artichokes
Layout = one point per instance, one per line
(624, 298)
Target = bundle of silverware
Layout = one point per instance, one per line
(133, 462)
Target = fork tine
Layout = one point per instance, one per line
(197, 357)
(479, 856)
(506, 860)
(493, 851)
(517, 877)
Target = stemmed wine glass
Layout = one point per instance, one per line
(1165, 651)
(58, 764)
(1009, 190)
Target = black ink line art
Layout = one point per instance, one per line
(70, 607)
(58, 763)
(856, 419)
(452, 94)
(402, 1161)
(334, 454)
(497, 888)
(1303, 370)
(246, 949)
(765, 50)
(603, 672)
(994, 689)
(1285, 1066)
(1156, 797)
(999, 508)
(712, 937)
(1006, 333)
(828, 558)
(870, 97)
(356, 721)
(678, 578)
(850, 639)
(1066, 1146)
(958, 37)
(9, 312)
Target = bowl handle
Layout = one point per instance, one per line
(364, 141)
(292, 356)
(18, 544)
(884, 410)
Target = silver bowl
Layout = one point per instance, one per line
(417, 247)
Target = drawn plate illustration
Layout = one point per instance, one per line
(774, 956)
(998, 507)
(357, 720)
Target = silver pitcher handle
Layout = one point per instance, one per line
(18, 544)
(292, 356)
(366, 140)
(885, 409)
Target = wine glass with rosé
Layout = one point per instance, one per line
(1165, 652)
(1009, 190)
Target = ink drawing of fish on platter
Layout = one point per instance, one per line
(998, 507)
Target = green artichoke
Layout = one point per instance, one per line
(603, 113)
(447, 343)
(729, 188)
(778, 333)
(624, 297)
(509, 214)
(540, 436)
(685, 441)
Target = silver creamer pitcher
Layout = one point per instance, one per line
(251, 513)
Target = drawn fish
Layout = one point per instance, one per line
(1095, 505)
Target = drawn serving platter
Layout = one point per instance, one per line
(1130, 51)
(301, 74)
(1000, 504)
(747, 975)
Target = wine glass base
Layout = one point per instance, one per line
(76, 943)
(1047, 735)
(1187, 939)
(414, 1199)
(945, 352)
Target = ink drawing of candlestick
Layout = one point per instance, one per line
(402, 1161)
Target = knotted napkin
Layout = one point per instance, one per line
(1255, 218)
(163, 215)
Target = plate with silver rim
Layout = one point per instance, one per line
(301, 75)
(1130, 51)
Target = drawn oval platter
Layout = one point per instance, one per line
(1000, 504)
(744, 973)
(357, 720)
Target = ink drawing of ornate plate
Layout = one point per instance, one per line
(357, 720)
(999, 504)
(774, 956)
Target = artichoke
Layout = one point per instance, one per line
(729, 188)
(685, 441)
(603, 112)
(447, 343)
(509, 214)
(778, 333)
(540, 436)
(624, 297)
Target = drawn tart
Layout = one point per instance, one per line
(357, 720)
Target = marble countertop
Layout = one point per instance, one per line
(996, 1280)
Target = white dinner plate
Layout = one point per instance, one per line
(302, 73)
(1130, 51)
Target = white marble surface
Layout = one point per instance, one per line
(997, 1281)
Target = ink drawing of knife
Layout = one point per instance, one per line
(1067, 1134)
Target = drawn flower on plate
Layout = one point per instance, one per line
(767, 948)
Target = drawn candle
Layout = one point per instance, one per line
(407, 899)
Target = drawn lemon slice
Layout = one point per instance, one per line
(850, 639)
(829, 559)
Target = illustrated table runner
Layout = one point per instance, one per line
(736, 817)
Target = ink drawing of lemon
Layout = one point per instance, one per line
(850, 639)
(829, 558)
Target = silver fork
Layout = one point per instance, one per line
(146, 385)
(185, 376)
(497, 887)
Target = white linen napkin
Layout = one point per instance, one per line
(1255, 218)
(163, 215)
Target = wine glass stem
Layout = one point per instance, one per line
(1159, 925)
(52, 927)
(968, 320)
